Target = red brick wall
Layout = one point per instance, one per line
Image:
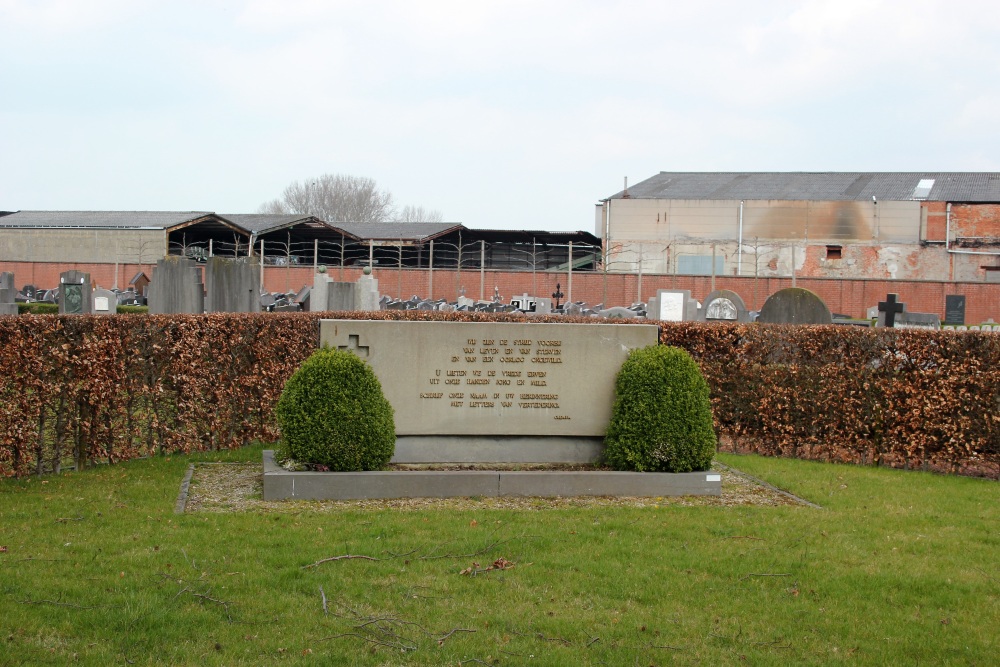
(46, 274)
(975, 220)
(848, 296)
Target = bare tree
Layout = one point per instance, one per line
(335, 198)
(418, 214)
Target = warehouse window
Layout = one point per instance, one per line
(834, 252)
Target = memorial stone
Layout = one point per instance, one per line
(795, 305)
(176, 287)
(105, 302)
(8, 305)
(954, 309)
(724, 306)
(617, 312)
(318, 296)
(908, 320)
(543, 305)
(366, 296)
(303, 297)
(232, 285)
(888, 311)
(523, 303)
(75, 296)
(339, 296)
(673, 306)
(470, 391)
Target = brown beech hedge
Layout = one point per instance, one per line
(100, 389)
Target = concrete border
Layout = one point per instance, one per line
(281, 484)
(182, 497)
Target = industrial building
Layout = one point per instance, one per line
(854, 225)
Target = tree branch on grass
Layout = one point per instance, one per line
(440, 640)
(57, 603)
(344, 557)
(371, 640)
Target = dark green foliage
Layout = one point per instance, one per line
(38, 308)
(332, 413)
(662, 417)
(133, 310)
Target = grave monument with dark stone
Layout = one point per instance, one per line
(954, 309)
(75, 296)
(794, 305)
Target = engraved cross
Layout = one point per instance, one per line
(353, 345)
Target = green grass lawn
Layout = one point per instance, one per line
(899, 568)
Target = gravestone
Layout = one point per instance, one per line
(724, 306)
(908, 320)
(318, 294)
(176, 287)
(489, 391)
(794, 305)
(543, 305)
(672, 305)
(954, 309)
(340, 296)
(366, 296)
(29, 292)
(524, 303)
(105, 302)
(75, 296)
(303, 297)
(8, 306)
(618, 312)
(232, 285)
(888, 310)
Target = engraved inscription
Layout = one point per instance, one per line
(476, 366)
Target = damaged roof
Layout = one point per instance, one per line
(819, 186)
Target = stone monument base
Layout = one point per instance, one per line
(496, 449)
(281, 484)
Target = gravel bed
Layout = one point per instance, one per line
(238, 487)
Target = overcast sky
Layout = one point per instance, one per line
(499, 114)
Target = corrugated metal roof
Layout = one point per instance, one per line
(406, 231)
(101, 219)
(262, 223)
(817, 186)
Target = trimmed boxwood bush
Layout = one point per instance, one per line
(662, 417)
(332, 413)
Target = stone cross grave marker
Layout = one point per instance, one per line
(889, 309)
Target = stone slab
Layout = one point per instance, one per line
(493, 379)
(497, 449)
(281, 484)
